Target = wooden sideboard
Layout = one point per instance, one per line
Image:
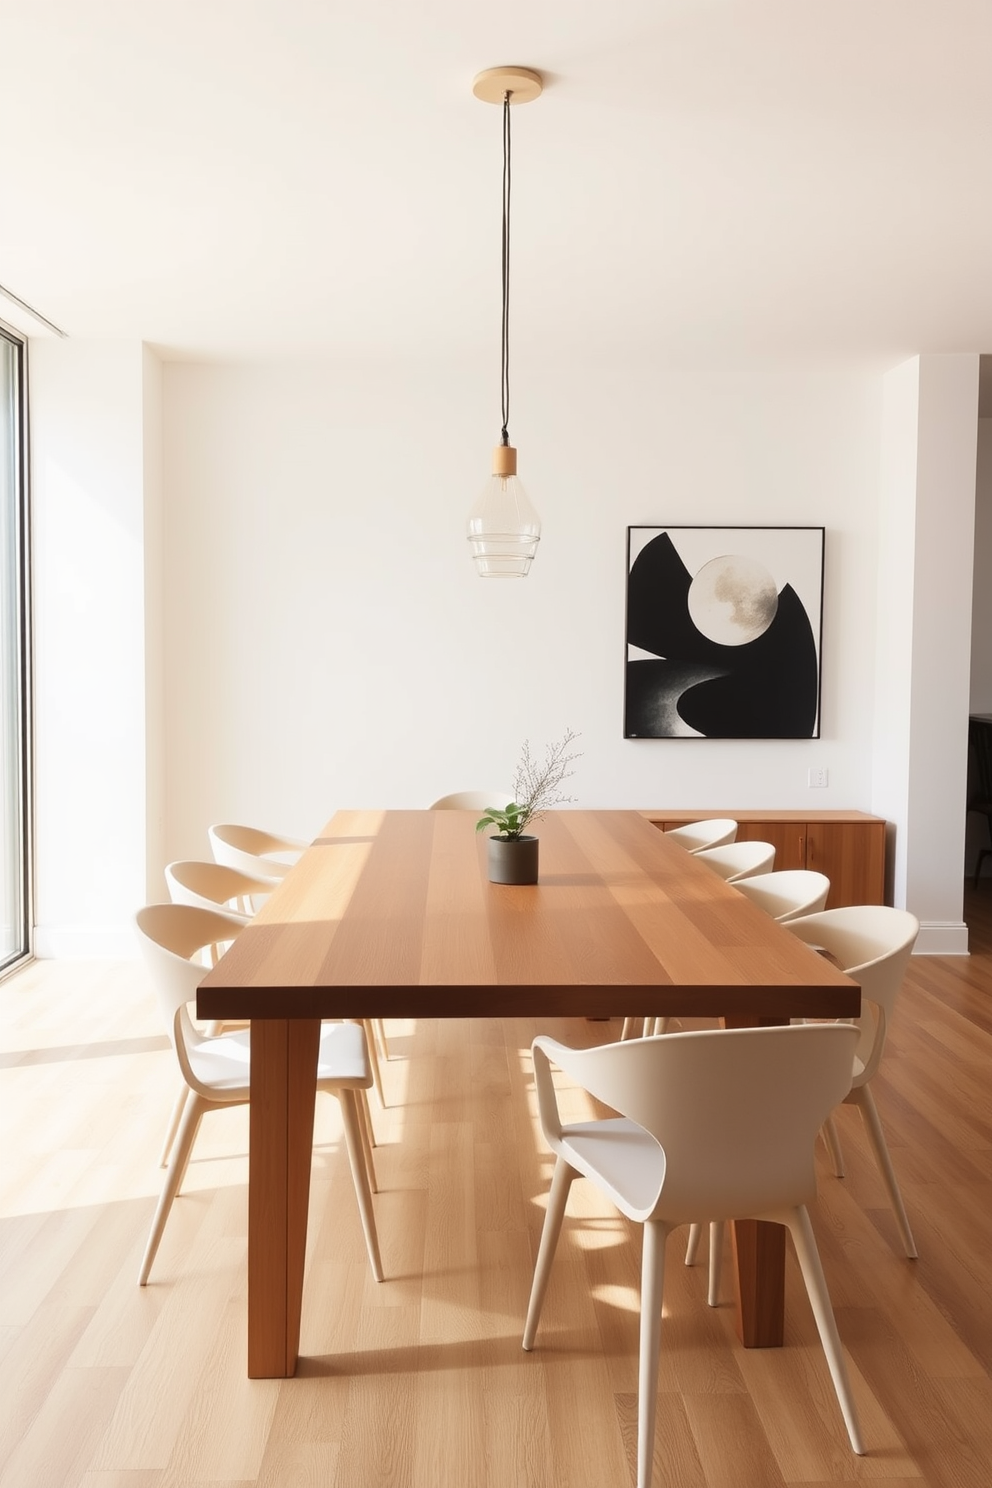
(848, 846)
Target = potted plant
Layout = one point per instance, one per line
(536, 788)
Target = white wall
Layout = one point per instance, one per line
(91, 782)
(255, 601)
(894, 600)
(329, 643)
(926, 534)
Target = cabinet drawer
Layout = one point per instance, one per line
(852, 855)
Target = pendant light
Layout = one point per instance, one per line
(503, 527)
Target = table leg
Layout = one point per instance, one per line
(759, 1255)
(759, 1250)
(283, 1089)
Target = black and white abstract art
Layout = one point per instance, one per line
(723, 632)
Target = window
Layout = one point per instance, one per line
(14, 671)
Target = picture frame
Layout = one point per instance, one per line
(723, 632)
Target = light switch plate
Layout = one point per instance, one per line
(818, 778)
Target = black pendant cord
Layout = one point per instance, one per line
(505, 336)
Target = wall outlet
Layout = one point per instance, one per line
(818, 778)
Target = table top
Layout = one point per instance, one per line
(391, 914)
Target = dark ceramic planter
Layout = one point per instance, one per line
(513, 862)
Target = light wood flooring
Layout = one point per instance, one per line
(421, 1382)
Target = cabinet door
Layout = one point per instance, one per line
(787, 838)
(852, 855)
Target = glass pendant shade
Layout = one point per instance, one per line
(503, 527)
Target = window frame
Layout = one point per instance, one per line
(24, 701)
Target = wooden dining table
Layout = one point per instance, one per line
(390, 914)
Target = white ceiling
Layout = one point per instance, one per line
(225, 177)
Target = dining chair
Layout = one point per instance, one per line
(215, 1068)
(735, 860)
(872, 944)
(472, 800)
(269, 855)
(694, 836)
(217, 886)
(254, 851)
(237, 895)
(784, 895)
(787, 893)
(712, 1125)
(207, 956)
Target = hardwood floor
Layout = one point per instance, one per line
(421, 1382)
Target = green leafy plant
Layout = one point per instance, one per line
(536, 788)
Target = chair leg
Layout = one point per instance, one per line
(801, 1230)
(173, 1126)
(832, 1139)
(182, 1147)
(380, 1037)
(374, 1062)
(368, 1136)
(360, 1176)
(652, 1289)
(627, 1031)
(865, 1102)
(561, 1183)
(717, 1232)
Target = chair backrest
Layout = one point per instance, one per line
(215, 886)
(714, 832)
(872, 943)
(736, 1111)
(472, 800)
(738, 859)
(169, 936)
(252, 850)
(788, 893)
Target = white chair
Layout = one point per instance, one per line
(216, 1068)
(236, 894)
(217, 886)
(472, 800)
(872, 943)
(713, 1125)
(738, 859)
(787, 894)
(262, 854)
(207, 956)
(694, 836)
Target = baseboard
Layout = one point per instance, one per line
(942, 938)
(78, 942)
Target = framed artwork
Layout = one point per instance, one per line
(723, 632)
